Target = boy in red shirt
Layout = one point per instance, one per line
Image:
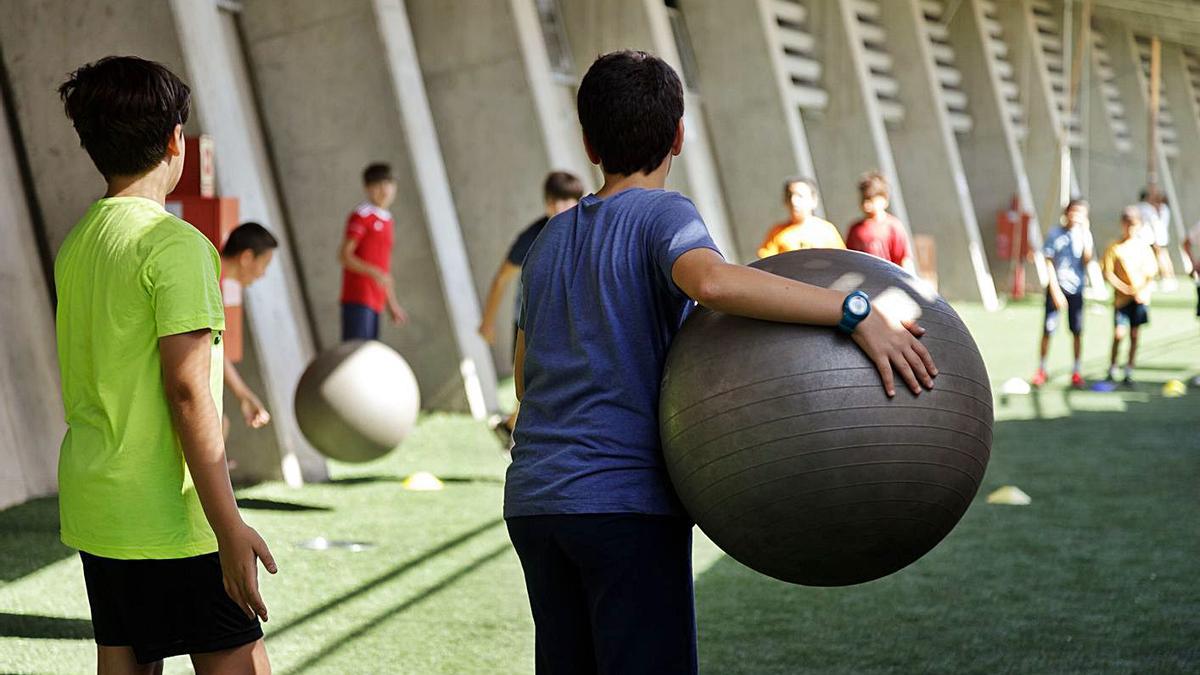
(366, 257)
(880, 233)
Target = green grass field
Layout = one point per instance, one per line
(1098, 575)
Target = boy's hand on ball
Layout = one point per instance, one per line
(240, 552)
(891, 344)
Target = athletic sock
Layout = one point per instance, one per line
(1128, 371)
(1077, 367)
(1042, 365)
(1112, 372)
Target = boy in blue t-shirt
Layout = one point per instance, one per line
(1068, 250)
(603, 540)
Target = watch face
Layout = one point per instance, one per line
(857, 305)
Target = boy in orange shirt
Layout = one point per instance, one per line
(1130, 267)
(803, 229)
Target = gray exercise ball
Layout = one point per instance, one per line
(784, 448)
(357, 401)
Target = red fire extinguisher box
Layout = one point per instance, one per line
(194, 200)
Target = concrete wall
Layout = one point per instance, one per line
(31, 416)
(488, 130)
(930, 167)
(990, 153)
(758, 135)
(65, 180)
(320, 145)
(848, 137)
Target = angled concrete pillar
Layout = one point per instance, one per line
(991, 153)
(274, 309)
(1113, 174)
(369, 109)
(489, 130)
(848, 137)
(597, 28)
(31, 415)
(930, 167)
(1183, 100)
(553, 99)
(1134, 86)
(1045, 124)
(757, 131)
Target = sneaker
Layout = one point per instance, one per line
(1112, 375)
(1127, 381)
(1196, 381)
(1077, 381)
(1039, 378)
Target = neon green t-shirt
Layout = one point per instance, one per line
(128, 274)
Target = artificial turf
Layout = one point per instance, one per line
(1098, 574)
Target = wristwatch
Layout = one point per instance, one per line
(855, 308)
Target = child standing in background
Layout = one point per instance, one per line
(1129, 267)
(1068, 250)
(802, 229)
(879, 233)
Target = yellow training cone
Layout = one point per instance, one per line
(1174, 388)
(1010, 495)
(422, 481)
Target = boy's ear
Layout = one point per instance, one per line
(677, 144)
(592, 156)
(175, 145)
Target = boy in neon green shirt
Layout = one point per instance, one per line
(169, 565)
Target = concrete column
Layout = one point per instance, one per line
(848, 137)
(991, 155)
(1135, 93)
(757, 130)
(31, 416)
(1044, 122)
(225, 106)
(1113, 175)
(595, 29)
(1182, 99)
(320, 144)
(555, 106)
(475, 365)
(488, 128)
(931, 169)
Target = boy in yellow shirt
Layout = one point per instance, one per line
(802, 230)
(1129, 266)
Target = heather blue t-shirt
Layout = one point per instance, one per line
(600, 312)
(1065, 247)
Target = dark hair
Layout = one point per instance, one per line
(1077, 201)
(562, 185)
(1144, 195)
(377, 173)
(873, 184)
(125, 109)
(792, 180)
(1131, 215)
(249, 237)
(630, 104)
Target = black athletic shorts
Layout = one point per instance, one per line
(1133, 314)
(164, 608)
(1074, 313)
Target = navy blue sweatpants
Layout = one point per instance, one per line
(610, 593)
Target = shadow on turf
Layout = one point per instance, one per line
(397, 571)
(36, 627)
(1096, 575)
(29, 538)
(273, 505)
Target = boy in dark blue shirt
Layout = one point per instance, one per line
(604, 543)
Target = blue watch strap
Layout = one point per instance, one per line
(851, 319)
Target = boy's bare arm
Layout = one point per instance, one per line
(253, 410)
(186, 359)
(504, 276)
(735, 289)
